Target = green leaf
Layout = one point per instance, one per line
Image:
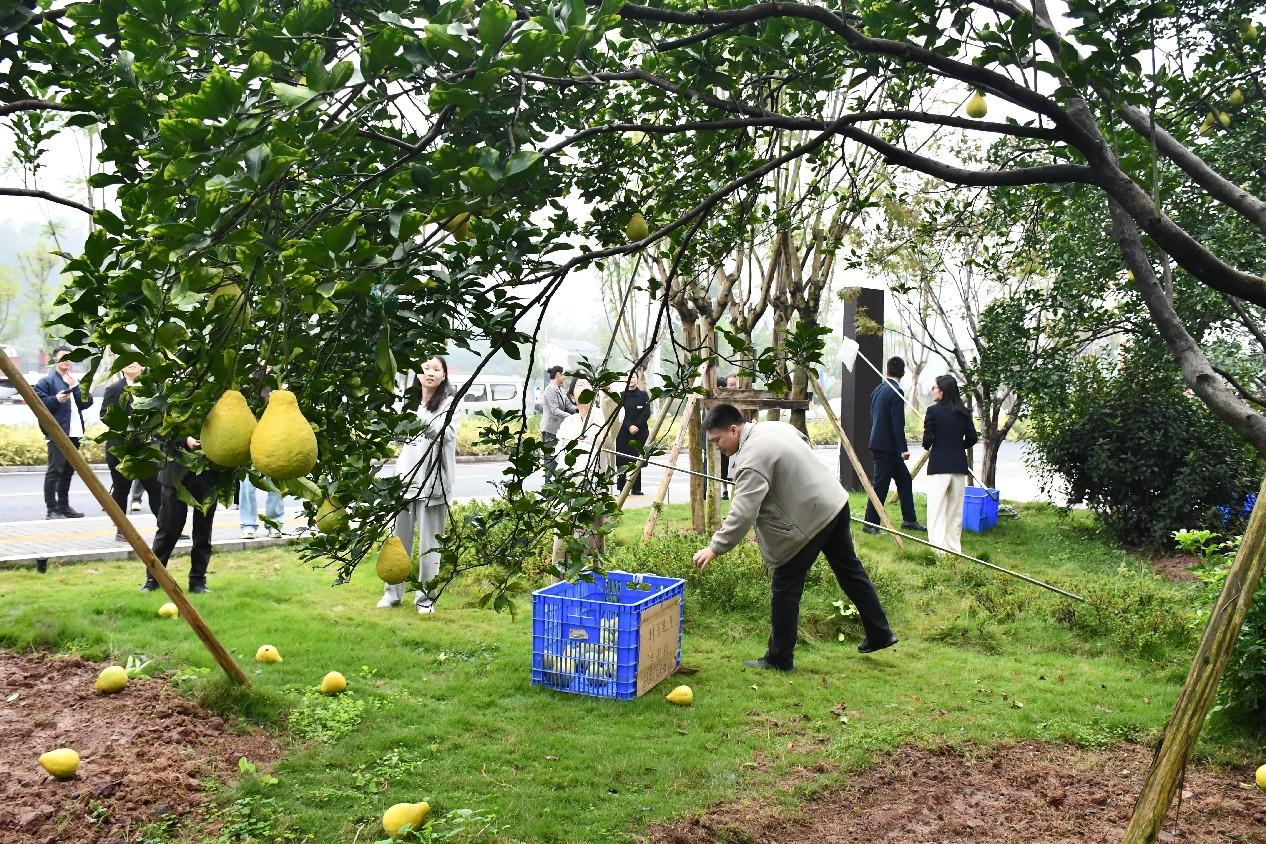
(292, 95)
(480, 180)
(494, 22)
(385, 360)
(216, 97)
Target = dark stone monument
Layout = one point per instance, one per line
(857, 385)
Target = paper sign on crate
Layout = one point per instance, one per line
(658, 643)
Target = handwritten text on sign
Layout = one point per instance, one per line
(657, 650)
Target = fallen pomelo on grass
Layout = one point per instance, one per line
(682, 696)
(168, 610)
(1261, 777)
(404, 813)
(61, 763)
(112, 680)
(267, 653)
(333, 683)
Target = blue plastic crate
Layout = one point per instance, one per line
(586, 637)
(1246, 508)
(980, 508)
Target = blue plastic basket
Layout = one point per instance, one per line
(586, 637)
(980, 508)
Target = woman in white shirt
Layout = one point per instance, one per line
(582, 431)
(428, 465)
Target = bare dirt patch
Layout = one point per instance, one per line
(1019, 793)
(1176, 566)
(144, 753)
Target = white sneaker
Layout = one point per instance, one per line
(136, 507)
(385, 603)
(425, 609)
(248, 533)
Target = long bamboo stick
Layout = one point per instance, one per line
(853, 458)
(121, 523)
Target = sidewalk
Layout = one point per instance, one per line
(25, 544)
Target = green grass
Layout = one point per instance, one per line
(441, 708)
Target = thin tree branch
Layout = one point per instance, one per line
(43, 194)
(35, 105)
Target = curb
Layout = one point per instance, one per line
(126, 553)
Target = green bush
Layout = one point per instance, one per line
(1135, 610)
(1242, 695)
(1145, 458)
(468, 443)
(24, 445)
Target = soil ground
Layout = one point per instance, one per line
(146, 754)
(1018, 793)
(1176, 566)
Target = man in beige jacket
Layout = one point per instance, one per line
(799, 510)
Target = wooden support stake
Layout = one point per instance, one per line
(121, 523)
(853, 458)
(1198, 692)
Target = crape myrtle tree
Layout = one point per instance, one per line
(311, 163)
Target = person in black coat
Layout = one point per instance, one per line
(120, 486)
(889, 448)
(172, 513)
(947, 433)
(635, 415)
(61, 394)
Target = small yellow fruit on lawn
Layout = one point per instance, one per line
(267, 653)
(637, 229)
(682, 696)
(333, 683)
(112, 680)
(1236, 99)
(394, 565)
(1261, 777)
(168, 610)
(401, 814)
(283, 446)
(61, 763)
(976, 106)
(331, 516)
(226, 432)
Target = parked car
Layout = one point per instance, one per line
(489, 391)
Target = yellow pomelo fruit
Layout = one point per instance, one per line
(401, 814)
(1261, 777)
(637, 229)
(331, 516)
(61, 763)
(682, 696)
(394, 565)
(1236, 99)
(112, 680)
(228, 290)
(283, 445)
(333, 683)
(168, 610)
(976, 106)
(226, 432)
(1224, 119)
(1249, 28)
(459, 225)
(267, 653)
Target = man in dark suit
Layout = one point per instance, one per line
(889, 448)
(172, 513)
(60, 392)
(120, 486)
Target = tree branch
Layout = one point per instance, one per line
(1244, 392)
(34, 105)
(43, 194)
(1247, 319)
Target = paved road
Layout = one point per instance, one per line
(22, 499)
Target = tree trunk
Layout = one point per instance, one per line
(800, 390)
(779, 341)
(1197, 695)
(989, 459)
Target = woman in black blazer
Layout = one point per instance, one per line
(947, 433)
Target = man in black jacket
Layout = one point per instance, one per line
(889, 448)
(61, 394)
(172, 513)
(114, 394)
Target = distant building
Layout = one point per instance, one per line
(567, 353)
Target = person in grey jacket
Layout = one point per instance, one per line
(556, 406)
(799, 510)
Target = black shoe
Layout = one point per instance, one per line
(913, 526)
(725, 496)
(198, 587)
(184, 536)
(70, 513)
(118, 537)
(55, 514)
(763, 663)
(150, 585)
(870, 529)
(867, 647)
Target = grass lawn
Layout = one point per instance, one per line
(441, 708)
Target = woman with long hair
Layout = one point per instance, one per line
(428, 465)
(635, 407)
(947, 433)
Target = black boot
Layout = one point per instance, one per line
(70, 513)
(198, 586)
(150, 585)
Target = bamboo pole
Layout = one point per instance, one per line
(853, 458)
(122, 524)
(914, 472)
(1198, 692)
(662, 492)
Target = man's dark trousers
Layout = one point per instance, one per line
(171, 521)
(57, 478)
(890, 467)
(836, 543)
(121, 486)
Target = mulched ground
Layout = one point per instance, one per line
(144, 753)
(1021, 793)
(1176, 566)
